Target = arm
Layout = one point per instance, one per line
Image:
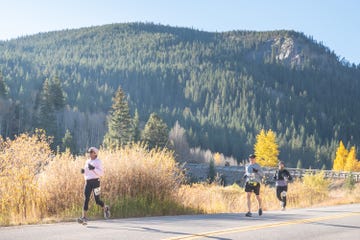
(256, 169)
(97, 168)
(246, 172)
(260, 171)
(288, 175)
(275, 175)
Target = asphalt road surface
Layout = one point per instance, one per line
(328, 223)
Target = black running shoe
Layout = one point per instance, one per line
(106, 212)
(248, 214)
(260, 211)
(82, 220)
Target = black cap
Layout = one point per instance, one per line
(252, 156)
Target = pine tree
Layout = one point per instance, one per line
(155, 133)
(57, 94)
(68, 142)
(135, 126)
(47, 120)
(266, 148)
(5, 110)
(3, 91)
(120, 129)
(340, 157)
(58, 102)
(212, 171)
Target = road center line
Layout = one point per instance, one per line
(256, 227)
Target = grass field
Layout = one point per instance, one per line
(217, 199)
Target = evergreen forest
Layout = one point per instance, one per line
(223, 88)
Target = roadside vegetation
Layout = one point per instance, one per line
(212, 198)
(38, 185)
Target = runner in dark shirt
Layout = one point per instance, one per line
(282, 176)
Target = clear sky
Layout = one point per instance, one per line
(335, 23)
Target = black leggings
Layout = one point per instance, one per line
(279, 190)
(90, 185)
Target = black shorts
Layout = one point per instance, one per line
(252, 187)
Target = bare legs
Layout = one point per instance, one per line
(248, 198)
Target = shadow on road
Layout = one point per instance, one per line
(148, 229)
(335, 225)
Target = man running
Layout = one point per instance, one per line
(253, 176)
(92, 171)
(282, 176)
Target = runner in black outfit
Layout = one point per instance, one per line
(282, 176)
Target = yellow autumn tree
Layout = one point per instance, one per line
(266, 148)
(351, 164)
(340, 157)
(218, 158)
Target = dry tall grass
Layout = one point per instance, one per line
(137, 182)
(211, 198)
(21, 161)
(38, 185)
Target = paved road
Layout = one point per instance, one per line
(330, 223)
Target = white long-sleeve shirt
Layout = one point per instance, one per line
(251, 175)
(97, 172)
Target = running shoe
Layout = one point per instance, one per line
(82, 220)
(106, 212)
(248, 214)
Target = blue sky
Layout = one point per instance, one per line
(335, 23)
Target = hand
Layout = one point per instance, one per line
(82, 171)
(264, 180)
(91, 167)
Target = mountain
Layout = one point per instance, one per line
(222, 87)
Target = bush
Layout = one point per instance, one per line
(22, 160)
(316, 186)
(37, 184)
(132, 174)
(350, 182)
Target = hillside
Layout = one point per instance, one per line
(221, 87)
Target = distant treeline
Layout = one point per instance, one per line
(222, 88)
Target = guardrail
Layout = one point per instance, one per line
(200, 172)
(299, 173)
(328, 173)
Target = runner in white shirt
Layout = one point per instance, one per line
(92, 171)
(253, 176)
